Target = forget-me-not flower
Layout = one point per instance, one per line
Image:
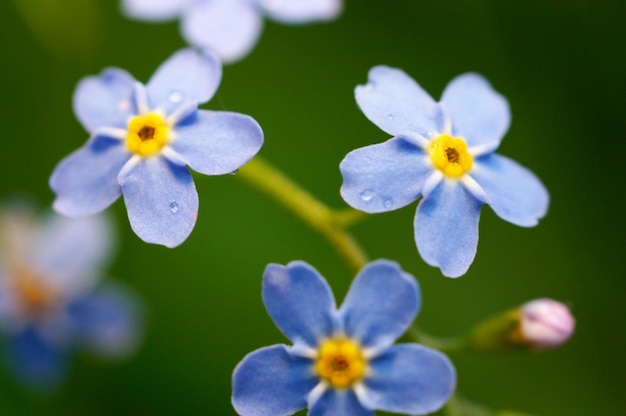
(444, 152)
(51, 302)
(141, 139)
(342, 362)
(231, 28)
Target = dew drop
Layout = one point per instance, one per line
(390, 116)
(366, 195)
(234, 172)
(174, 207)
(175, 97)
(388, 203)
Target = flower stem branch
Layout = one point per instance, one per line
(328, 222)
(448, 344)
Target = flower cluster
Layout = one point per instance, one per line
(143, 139)
(51, 301)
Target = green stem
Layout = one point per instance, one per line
(328, 222)
(448, 345)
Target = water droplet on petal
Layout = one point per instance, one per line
(174, 207)
(366, 195)
(388, 203)
(390, 116)
(234, 172)
(175, 97)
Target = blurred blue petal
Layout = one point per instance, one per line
(446, 228)
(34, 361)
(107, 321)
(85, 182)
(69, 253)
(187, 77)
(231, 28)
(104, 100)
(299, 301)
(161, 201)
(380, 305)
(478, 113)
(397, 104)
(409, 378)
(339, 403)
(384, 177)
(217, 142)
(271, 382)
(154, 10)
(516, 194)
(301, 11)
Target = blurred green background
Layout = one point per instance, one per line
(562, 66)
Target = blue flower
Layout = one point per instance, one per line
(231, 28)
(50, 301)
(342, 362)
(444, 153)
(141, 139)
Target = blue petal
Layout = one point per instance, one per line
(107, 322)
(187, 77)
(229, 28)
(299, 301)
(104, 100)
(301, 11)
(272, 382)
(446, 228)
(409, 378)
(397, 104)
(385, 176)
(35, 362)
(479, 114)
(380, 305)
(339, 403)
(216, 142)
(85, 182)
(516, 194)
(161, 201)
(152, 10)
(70, 252)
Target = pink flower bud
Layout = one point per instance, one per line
(546, 324)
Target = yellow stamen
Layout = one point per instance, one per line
(340, 362)
(147, 134)
(450, 156)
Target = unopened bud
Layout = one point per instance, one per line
(540, 324)
(545, 324)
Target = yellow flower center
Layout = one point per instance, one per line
(450, 156)
(340, 362)
(147, 134)
(34, 297)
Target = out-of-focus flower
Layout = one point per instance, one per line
(342, 362)
(141, 139)
(444, 152)
(50, 299)
(231, 28)
(541, 324)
